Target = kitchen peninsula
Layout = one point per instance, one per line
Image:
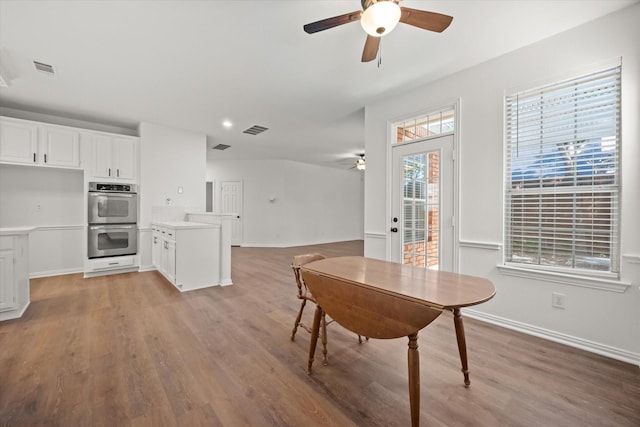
(187, 253)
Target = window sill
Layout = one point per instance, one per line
(565, 279)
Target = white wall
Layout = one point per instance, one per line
(53, 200)
(169, 159)
(602, 321)
(313, 204)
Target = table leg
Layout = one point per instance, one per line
(414, 379)
(462, 344)
(315, 329)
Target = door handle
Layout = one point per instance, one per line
(394, 229)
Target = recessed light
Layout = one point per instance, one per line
(227, 124)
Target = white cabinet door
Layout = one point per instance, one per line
(156, 250)
(60, 147)
(18, 141)
(8, 281)
(101, 155)
(171, 260)
(164, 257)
(125, 157)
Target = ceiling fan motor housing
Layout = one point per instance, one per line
(366, 3)
(379, 16)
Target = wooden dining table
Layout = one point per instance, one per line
(385, 300)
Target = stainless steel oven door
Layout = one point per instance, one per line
(112, 208)
(112, 240)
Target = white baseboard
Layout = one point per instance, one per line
(292, 244)
(38, 274)
(594, 347)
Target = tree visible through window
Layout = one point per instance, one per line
(562, 174)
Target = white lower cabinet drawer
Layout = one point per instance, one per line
(106, 263)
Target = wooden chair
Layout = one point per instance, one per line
(305, 295)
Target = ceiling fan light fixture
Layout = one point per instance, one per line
(380, 18)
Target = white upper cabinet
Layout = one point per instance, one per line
(125, 155)
(26, 142)
(60, 146)
(18, 141)
(114, 157)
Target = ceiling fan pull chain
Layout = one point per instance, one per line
(380, 54)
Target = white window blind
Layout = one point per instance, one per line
(562, 175)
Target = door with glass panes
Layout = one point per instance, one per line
(422, 222)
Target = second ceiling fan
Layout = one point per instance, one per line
(379, 17)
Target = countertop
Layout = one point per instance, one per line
(14, 231)
(183, 225)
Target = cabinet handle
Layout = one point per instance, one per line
(118, 172)
(109, 172)
(34, 157)
(45, 158)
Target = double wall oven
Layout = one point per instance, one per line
(112, 217)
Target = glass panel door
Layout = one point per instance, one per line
(421, 209)
(423, 204)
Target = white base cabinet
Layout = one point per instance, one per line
(14, 272)
(187, 253)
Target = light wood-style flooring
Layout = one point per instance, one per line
(130, 350)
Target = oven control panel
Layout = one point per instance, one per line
(113, 188)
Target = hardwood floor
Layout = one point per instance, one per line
(130, 349)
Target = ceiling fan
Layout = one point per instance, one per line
(378, 18)
(360, 163)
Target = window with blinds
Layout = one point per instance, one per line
(562, 179)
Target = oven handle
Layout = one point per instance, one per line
(111, 227)
(111, 194)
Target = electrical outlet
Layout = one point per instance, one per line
(558, 300)
(38, 208)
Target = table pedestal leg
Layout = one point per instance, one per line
(315, 329)
(462, 344)
(414, 379)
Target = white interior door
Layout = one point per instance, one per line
(422, 212)
(231, 202)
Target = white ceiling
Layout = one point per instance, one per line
(192, 64)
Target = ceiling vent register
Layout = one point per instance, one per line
(45, 68)
(221, 147)
(255, 129)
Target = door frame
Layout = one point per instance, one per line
(456, 176)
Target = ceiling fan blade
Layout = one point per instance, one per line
(426, 20)
(370, 48)
(325, 24)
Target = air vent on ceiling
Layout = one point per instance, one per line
(221, 147)
(45, 68)
(255, 129)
